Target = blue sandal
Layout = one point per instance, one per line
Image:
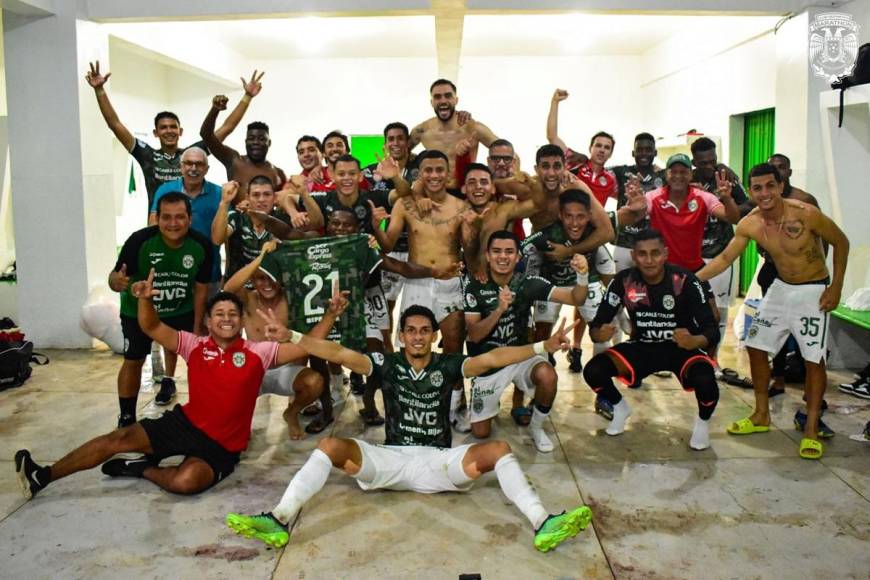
(800, 423)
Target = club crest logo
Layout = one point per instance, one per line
(187, 261)
(436, 378)
(471, 300)
(602, 180)
(693, 205)
(753, 330)
(668, 302)
(239, 359)
(360, 212)
(477, 405)
(833, 45)
(613, 298)
(378, 358)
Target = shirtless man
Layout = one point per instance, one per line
(241, 168)
(434, 240)
(454, 134)
(303, 385)
(791, 232)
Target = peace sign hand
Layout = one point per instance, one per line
(254, 86)
(93, 76)
(560, 340)
(723, 184)
(388, 168)
(274, 329)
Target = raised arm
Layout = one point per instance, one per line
(236, 283)
(387, 239)
(252, 89)
(220, 229)
(833, 235)
(507, 355)
(147, 317)
(97, 82)
(575, 296)
(553, 119)
(225, 155)
(731, 252)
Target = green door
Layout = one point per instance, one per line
(758, 139)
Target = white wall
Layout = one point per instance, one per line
(512, 96)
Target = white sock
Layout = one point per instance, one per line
(621, 413)
(455, 397)
(700, 434)
(599, 347)
(536, 428)
(307, 481)
(517, 489)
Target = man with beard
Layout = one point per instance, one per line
(435, 239)
(242, 168)
(457, 136)
(798, 301)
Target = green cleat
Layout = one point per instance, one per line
(264, 527)
(557, 529)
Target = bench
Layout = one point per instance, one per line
(849, 341)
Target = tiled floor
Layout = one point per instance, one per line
(746, 508)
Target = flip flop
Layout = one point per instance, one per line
(746, 427)
(811, 449)
(522, 416)
(731, 377)
(800, 424)
(372, 419)
(318, 425)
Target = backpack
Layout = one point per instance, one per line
(16, 354)
(860, 75)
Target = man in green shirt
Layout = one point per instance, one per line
(181, 259)
(417, 456)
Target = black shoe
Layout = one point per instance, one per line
(357, 386)
(126, 420)
(32, 478)
(121, 467)
(167, 392)
(575, 365)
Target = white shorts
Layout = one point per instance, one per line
(442, 297)
(391, 282)
(486, 390)
(377, 316)
(412, 468)
(622, 258)
(549, 311)
(791, 309)
(723, 286)
(279, 381)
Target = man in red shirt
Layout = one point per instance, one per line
(680, 211)
(224, 376)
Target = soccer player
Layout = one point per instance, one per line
(417, 384)
(182, 258)
(211, 429)
(798, 301)
(497, 314)
(673, 327)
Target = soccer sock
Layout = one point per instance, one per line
(536, 428)
(517, 489)
(307, 481)
(700, 434)
(599, 347)
(128, 405)
(621, 413)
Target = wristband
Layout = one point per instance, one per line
(295, 337)
(100, 91)
(246, 98)
(539, 348)
(583, 279)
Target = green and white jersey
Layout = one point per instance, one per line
(307, 269)
(329, 201)
(512, 327)
(560, 273)
(176, 270)
(245, 243)
(417, 405)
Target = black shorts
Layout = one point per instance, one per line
(173, 434)
(137, 344)
(646, 358)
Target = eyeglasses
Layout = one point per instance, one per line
(193, 163)
(502, 158)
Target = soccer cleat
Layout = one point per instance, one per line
(357, 386)
(264, 527)
(32, 478)
(167, 392)
(604, 407)
(557, 529)
(122, 467)
(575, 364)
(859, 388)
(125, 420)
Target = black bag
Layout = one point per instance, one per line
(16, 354)
(860, 75)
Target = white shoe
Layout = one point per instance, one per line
(621, 413)
(700, 435)
(541, 441)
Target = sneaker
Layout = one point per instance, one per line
(264, 527)
(774, 392)
(125, 420)
(167, 392)
(557, 529)
(31, 477)
(357, 386)
(800, 423)
(859, 388)
(122, 467)
(575, 365)
(604, 408)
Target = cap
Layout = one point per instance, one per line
(679, 158)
